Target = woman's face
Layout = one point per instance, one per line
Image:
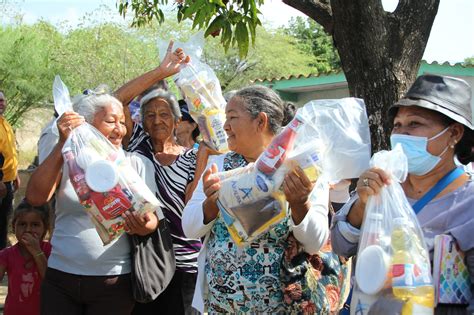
(158, 120)
(241, 128)
(421, 122)
(185, 129)
(110, 121)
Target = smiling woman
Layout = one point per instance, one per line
(78, 250)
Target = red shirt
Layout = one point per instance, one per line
(24, 281)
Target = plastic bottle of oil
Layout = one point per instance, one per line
(411, 281)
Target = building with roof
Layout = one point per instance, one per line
(301, 89)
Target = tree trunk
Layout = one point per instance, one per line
(380, 52)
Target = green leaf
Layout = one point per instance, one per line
(180, 15)
(218, 2)
(198, 18)
(215, 25)
(242, 37)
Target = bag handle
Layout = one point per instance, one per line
(439, 187)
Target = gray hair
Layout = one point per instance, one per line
(229, 95)
(163, 95)
(90, 104)
(261, 99)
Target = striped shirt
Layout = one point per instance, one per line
(171, 181)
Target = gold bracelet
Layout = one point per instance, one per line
(39, 254)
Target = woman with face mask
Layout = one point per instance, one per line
(433, 124)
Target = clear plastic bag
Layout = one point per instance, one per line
(307, 141)
(62, 101)
(104, 180)
(393, 261)
(203, 95)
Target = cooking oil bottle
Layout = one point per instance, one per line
(411, 279)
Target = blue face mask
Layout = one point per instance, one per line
(420, 161)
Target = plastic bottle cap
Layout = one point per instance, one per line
(372, 269)
(101, 176)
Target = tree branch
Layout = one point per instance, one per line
(318, 10)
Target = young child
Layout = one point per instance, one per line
(26, 261)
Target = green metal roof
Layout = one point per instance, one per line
(338, 77)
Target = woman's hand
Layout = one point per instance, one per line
(370, 183)
(297, 188)
(140, 224)
(66, 123)
(173, 60)
(211, 186)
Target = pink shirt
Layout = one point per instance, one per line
(24, 281)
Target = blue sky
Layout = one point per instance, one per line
(451, 39)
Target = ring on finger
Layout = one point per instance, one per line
(365, 181)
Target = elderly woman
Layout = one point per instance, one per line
(174, 173)
(83, 276)
(228, 281)
(433, 124)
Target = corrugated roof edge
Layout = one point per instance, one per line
(310, 75)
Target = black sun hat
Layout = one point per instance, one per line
(446, 95)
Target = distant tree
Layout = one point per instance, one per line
(274, 55)
(469, 61)
(104, 53)
(26, 69)
(312, 38)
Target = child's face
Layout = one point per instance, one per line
(29, 222)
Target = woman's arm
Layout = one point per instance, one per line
(313, 230)
(202, 158)
(170, 65)
(47, 176)
(201, 210)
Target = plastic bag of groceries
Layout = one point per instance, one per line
(105, 182)
(392, 261)
(202, 92)
(327, 138)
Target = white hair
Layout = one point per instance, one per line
(164, 95)
(91, 104)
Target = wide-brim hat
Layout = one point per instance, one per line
(446, 95)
